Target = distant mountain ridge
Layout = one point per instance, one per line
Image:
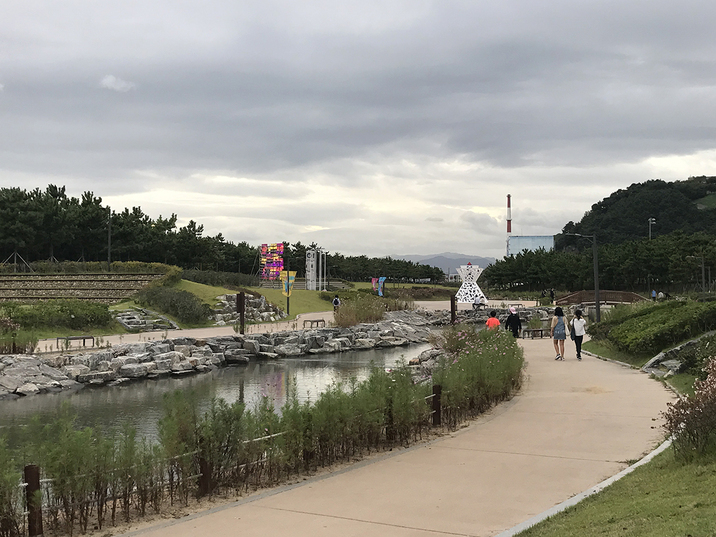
(447, 261)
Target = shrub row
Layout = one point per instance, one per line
(184, 306)
(73, 314)
(78, 267)
(359, 308)
(650, 328)
(98, 477)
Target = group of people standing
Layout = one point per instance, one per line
(559, 329)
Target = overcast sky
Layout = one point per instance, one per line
(372, 127)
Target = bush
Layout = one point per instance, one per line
(692, 421)
(184, 306)
(650, 328)
(361, 308)
(66, 313)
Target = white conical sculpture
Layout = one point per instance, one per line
(469, 291)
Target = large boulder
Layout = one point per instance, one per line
(74, 371)
(134, 371)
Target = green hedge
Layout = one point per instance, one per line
(651, 328)
(73, 314)
(184, 306)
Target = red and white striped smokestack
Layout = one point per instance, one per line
(509, 215)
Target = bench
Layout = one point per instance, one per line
(531, 332)
(67, 339)
(314, 323)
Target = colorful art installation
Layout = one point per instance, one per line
(288, 277)
(378, 284)
(271, 260)
(469, 291)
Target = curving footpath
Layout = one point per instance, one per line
(573, 425)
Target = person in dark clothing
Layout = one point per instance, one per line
(513, 322)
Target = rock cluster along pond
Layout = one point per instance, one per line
(27, 375)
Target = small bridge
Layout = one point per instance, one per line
(605, 297)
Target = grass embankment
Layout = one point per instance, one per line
(661, 499)
(301, 301)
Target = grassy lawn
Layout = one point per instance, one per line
(606, 351)
(207, 293)
(664, 498)
(301, 301)
(683, 383)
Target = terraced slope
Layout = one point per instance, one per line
(101, 287)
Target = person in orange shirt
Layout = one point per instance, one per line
(493, 323)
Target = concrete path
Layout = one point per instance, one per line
(573, 425)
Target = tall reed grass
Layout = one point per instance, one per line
(99, 478)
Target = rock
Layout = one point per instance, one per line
(74, 371)
(674, 366)
(184, 349)
(288, 349)
(160, 348)
(28, 389)
(252, 345)
(11, 383)
(100, 377)
(134, 371)
(364, 343)
(268, 355)
(181, 366)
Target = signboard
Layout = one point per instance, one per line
(271, 260)
(287, 277)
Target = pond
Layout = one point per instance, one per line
(139, 404)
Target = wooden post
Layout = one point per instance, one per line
(437, 414)
(204, 483)
(33, 497)
(453, 309)
(241, 308)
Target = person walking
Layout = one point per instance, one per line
(493, 323)
(336, 303)
(559, 332)
(577, 329)
(513, 322)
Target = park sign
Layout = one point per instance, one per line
(287, 277)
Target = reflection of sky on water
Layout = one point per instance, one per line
(140, 404)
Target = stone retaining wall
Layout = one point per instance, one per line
(27, 375)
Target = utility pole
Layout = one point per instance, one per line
(651, 221)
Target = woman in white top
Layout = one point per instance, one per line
(577, 327)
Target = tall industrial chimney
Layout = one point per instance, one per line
(509, 215)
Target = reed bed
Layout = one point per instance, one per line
(96, 478)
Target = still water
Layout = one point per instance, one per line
(139, 404)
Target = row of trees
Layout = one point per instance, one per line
(49, 224)
(668, 262)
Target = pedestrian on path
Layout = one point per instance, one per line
(493, 323)
(336, 303)
(559, 332)
(577, 329)
(513, 322)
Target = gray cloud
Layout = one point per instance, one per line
(445, 106)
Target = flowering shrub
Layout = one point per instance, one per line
(482, 368)
(692, 421)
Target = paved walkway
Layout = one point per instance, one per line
(573, 425)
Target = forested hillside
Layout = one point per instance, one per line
(676, 206)
(50, 225)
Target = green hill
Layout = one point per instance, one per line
(688, 206)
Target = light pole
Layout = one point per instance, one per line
(595, 259)
(652, 221)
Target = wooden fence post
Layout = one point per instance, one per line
(437, 414)
(453, 309)
(33, 496)
(241, 307)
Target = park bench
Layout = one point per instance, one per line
(314, 323)
(67, 340)
(532, 332)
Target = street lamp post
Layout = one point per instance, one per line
(595, 259)
(652, 221)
